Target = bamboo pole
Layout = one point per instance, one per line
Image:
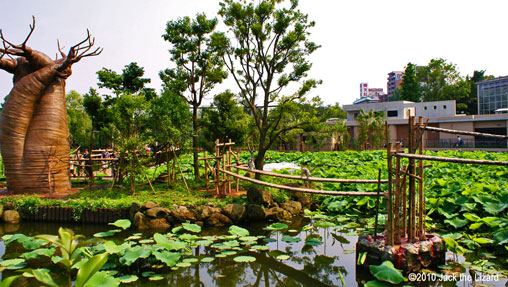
(377, 202)
(180, 169)
(389, 225)
(229, 165)
(320, 179)
(421, 202)
(206, 171)
(457, 132)
(404, 206)
(217, 163)
(412, 189)
(306, 190)
(396, 209)
(451, 159)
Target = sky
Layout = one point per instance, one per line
(362, 41)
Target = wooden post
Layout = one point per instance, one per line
(396, 209)
(229, 165)
(389, 225)
(411, 166)
(217, 163)
(404, 206)
(377, 202)
(421, 201)
(206, 171)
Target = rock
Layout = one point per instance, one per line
(157, 212)
(11, 227)
(141, 221)
(207, 211)
(294, 207)
(425, 250)
(234, 211)
(259, 196)
(149, 205)
(255, 212)
(10, 216)
(9, 205)
(218, 220)
(411, 259)
(135, 207)
(182, 214)
(303, 199)
(278, 214)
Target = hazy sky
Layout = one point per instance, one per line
(361, 40)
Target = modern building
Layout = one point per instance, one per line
(492, 95)
(441, 114)
(364, 90)
(393, 81)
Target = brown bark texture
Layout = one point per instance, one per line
(33, 125)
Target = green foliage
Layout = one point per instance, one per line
(371, 129)
(224, 120)
(80, 123)
(410, 88)
(266, 52)
(387, 272)
(198, 65)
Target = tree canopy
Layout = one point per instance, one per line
(267, 51)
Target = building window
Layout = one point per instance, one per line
(444, 107)
(425, 108)
(392, 114)
(435, 107)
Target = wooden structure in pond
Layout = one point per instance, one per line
(223, 175)
(406, 200)
(405, 184)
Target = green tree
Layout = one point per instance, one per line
(225, 120)
(267, 52)
(123, 120)
(471, 102)
(396, 95)
(130, 114)
(198, 66)
(371, 129)
(80, 123)
(410, 88)
(170, 123)
(130, 81)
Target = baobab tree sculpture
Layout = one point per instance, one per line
(33, 125)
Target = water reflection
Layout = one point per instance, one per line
(307, 265)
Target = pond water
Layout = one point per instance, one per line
(331, 263)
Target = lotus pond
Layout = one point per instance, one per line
(315, 250)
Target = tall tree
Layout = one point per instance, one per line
(170, 122)
(410, 88)
(471, 102)
(79, 122)
(198, 66)
(371, 129)
(267, 52)
(130, 81)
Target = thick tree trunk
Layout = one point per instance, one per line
(195, 140)
(259, 162)
(34, 133)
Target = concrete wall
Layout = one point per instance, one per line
(460, 126)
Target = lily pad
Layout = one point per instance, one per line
(207, 259)
(168, 243)
(290, 239)
(238, 231)
(192, 227)
(128, 279)
(156, 277)
(183, 264)
(169, 258)
(277, 226)
(244, 259)
(387, 272)
(122, 223)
